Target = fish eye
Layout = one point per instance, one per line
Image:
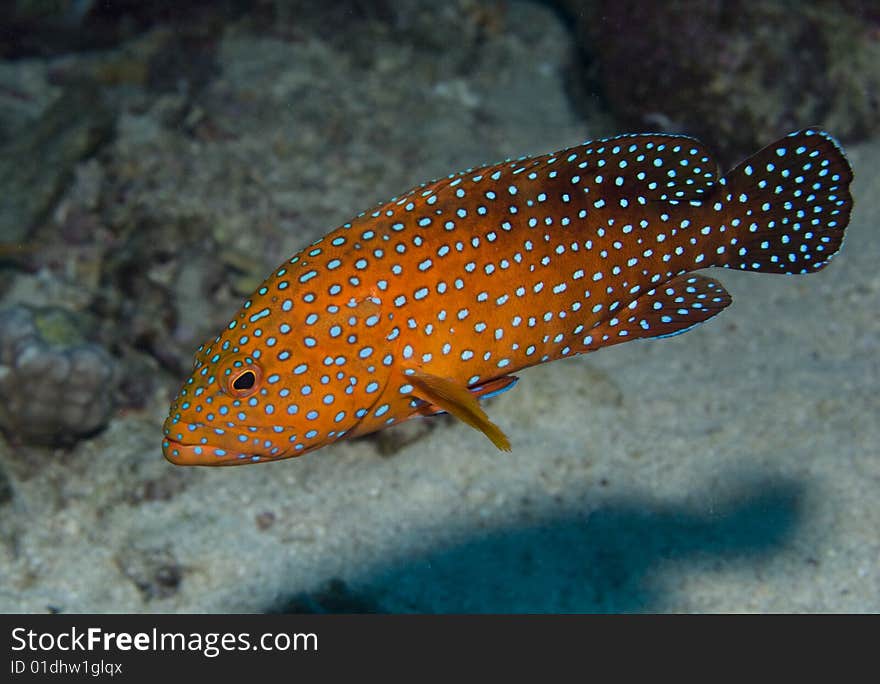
(243, 382)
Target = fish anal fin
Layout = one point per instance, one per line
(453, 398)
(670, 309)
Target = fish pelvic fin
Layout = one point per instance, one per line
(783, 210)
(457, 400)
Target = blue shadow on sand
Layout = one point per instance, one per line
(615, 559)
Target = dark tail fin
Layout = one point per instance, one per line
(785, 208)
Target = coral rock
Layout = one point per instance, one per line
(57, 387)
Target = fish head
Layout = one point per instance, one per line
(279, 381)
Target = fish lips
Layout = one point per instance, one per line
(197, 450)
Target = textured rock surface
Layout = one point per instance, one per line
(56, 387)
(37, 163)
(735, 74)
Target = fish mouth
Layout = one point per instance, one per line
(180, 451)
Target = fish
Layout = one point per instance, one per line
(432, 301)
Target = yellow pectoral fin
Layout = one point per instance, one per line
(459, 402)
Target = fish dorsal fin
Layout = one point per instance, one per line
(458, 401)
(654, 167)
(670, 309)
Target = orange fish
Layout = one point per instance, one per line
(433, 300)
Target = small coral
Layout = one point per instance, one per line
(56, 386)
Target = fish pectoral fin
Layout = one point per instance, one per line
(457, 400)
(669, 309)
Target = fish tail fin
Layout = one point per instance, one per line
(784, 210)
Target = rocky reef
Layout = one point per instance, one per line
(734, 74)
(57, 387)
